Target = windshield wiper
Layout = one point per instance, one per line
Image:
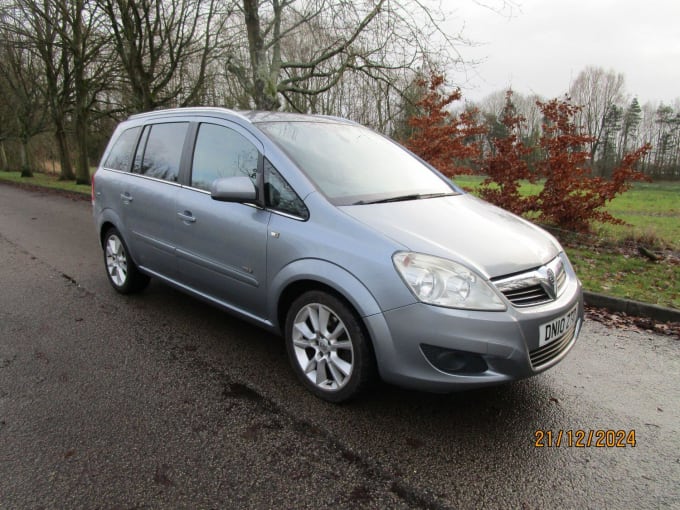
(404, 198)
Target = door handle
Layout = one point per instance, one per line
(187, 217)
(127, 198)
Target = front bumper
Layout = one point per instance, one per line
(507, 342)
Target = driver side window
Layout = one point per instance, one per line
(222, 152)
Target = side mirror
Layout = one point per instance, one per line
(233, 189)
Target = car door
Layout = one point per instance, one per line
(221, 246)
(148, 196)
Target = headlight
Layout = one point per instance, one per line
(445, 283)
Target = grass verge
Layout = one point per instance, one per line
(46, 181)
(628, 276)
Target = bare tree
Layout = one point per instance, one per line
(374, 98)
(86, 41)
(596, 91)
(344, 57)
(22, 77)
(370, 37)
(68, 38)
(164, 47)
(39, 24)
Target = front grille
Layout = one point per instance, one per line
(527, 296)
(535, 287)
(544, 355)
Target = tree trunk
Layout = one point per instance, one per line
(264, 90)
(4, 164)
(82, 162)
(25, 166)
(81, 114)
(66, 173)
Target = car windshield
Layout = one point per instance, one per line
(351, 164)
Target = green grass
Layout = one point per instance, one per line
(45, 180)
(652, 211)
(628, 276)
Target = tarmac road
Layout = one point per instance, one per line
(159, 401)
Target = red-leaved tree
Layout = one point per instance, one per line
(443, 139)
(506, 165)
(571, 198)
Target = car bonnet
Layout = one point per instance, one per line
(464, 229)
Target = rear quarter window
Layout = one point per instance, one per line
(120, 156)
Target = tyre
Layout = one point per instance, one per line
(327, 347)
(120, 268)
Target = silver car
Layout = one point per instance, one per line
(362, 256)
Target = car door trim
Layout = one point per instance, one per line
(216, 267)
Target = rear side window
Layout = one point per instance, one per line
(160, 150)
(222, 152)
(121, 154)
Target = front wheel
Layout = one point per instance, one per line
(120, 268)
(328, 349)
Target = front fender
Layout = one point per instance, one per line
(329, 274)
(352, 289)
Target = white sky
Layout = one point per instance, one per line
(541, 45)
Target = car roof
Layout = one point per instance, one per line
(256, 116)
(251, 116)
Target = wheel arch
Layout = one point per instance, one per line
(104, 229)
(107, 219)
(313, 274)
(297, 289)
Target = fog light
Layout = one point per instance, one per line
(452, 361)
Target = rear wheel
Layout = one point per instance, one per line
(120, 269)
(327, 347)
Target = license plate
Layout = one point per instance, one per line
(555, 329)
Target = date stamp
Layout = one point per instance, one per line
(580, 438)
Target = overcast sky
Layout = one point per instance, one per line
(542, 45)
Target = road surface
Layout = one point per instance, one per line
(159, 401)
